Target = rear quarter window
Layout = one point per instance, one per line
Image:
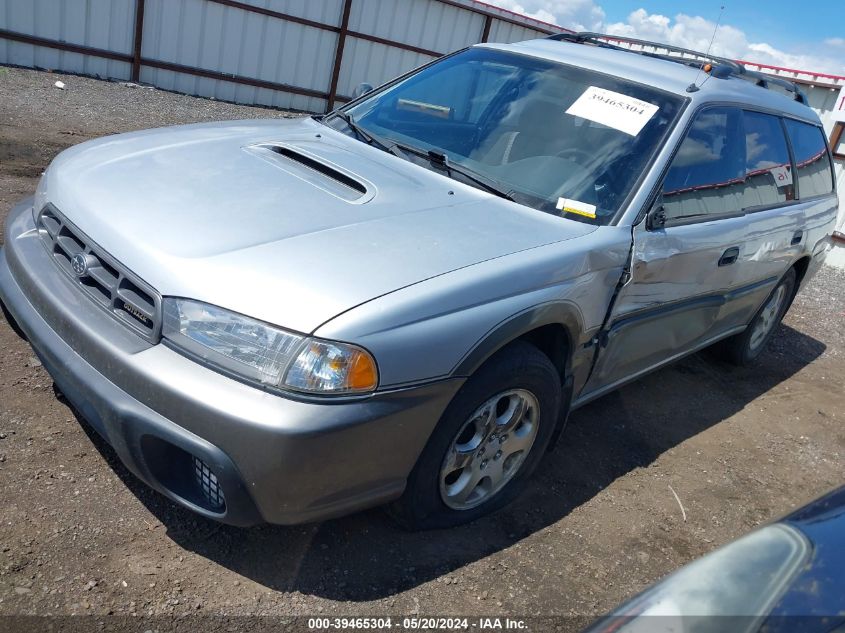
(768, 171)
(812, 162)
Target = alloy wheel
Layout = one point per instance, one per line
(768, 318)
(489, 449)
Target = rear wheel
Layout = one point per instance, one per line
(488, 442)
(745, 347)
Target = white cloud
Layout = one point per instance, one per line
(578, 15)
(687, 31)
(695, 32)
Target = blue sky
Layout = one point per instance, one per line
(808, 35)
(779, 22)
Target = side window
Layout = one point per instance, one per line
(812, 162)
(732, 160)
(710, 162)
(768, 170)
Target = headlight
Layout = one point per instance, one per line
(245, 346)
(326, 367)
(265, 353)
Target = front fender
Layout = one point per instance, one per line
(563, 314)
(448, 325)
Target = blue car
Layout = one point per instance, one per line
(788, 576)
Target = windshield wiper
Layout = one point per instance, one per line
(368, 137)
(440, 159)
(437, 158)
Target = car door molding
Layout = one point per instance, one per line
(585, 398)
(709, 300)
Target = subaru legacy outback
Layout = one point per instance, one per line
(401, 301)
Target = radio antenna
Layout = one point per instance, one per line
(693, 87)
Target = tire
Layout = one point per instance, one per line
(744, 348)
(520, 390)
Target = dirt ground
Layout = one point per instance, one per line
(80, 535)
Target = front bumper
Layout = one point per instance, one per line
(278, 460)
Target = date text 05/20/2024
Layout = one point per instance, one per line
(418, 623)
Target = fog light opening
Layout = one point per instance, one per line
(209, 487)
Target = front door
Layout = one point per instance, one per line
(672, 302)
(685, 277)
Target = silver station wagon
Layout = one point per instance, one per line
(401, 301)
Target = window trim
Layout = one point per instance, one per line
(835, 140)
(658, 189)
(701, 219)
(792, 164)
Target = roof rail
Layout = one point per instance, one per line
(722, 67)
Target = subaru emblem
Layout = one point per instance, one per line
(79, 264)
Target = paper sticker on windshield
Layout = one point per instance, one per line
(613, 109)
(577, 207)
(782, 175)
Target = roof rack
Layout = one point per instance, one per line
(722, 67)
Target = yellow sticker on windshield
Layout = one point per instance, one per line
(576, 206)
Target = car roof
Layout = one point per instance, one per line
(663, 74)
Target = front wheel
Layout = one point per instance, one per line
(745, 347)
(488, 441)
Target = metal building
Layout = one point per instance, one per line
(293, 54)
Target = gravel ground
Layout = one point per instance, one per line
(80, 535)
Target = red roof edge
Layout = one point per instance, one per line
(792, 70)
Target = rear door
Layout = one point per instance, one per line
(774, 220)
(789, 203)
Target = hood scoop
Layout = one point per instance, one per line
(318, 172)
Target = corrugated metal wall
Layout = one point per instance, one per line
(384, 39)
(230, 40)
(426, 24)
(106, 24)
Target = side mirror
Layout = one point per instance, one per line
(656, 218)
(361, 90)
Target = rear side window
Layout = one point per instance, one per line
(768, 170)
(730, 161)
(812, 162)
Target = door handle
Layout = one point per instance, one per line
(796, 238)
(729, 256)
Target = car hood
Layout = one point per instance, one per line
(288, 221)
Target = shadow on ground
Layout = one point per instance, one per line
(366, 557)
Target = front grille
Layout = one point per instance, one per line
(100, 276)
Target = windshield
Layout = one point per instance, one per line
(557, 138)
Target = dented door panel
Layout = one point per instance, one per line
(673, 300)
(765, 255)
